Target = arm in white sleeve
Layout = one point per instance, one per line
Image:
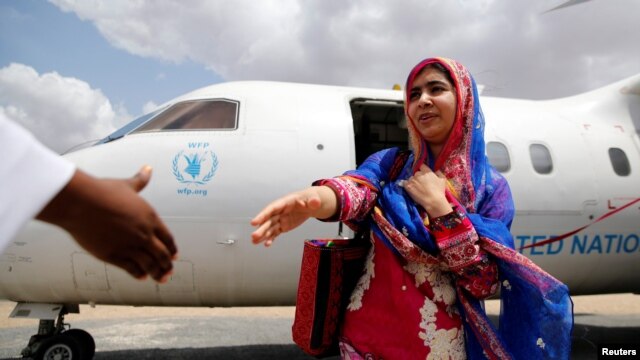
(30, 176)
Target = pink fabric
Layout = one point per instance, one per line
(406, 307)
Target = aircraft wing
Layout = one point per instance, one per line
(567, 4)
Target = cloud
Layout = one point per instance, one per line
(60, 111)
(514, 48)
(148, 107)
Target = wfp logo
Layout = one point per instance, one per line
(195, 167)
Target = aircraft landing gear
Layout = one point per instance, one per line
(55, 341)
(58, 347)
(87, 345)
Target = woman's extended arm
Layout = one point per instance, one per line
(291, 210)
(341, 198)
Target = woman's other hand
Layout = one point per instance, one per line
(427, 189)
(290, 211)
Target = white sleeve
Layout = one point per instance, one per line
(30, 176)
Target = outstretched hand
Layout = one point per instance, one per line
(290, 211)
(284, 214)
(112, 222)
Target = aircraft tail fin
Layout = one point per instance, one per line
(631, 86)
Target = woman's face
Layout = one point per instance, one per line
(432, 105)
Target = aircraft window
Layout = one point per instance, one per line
(619, 161)
(196, 115)
(498, 156)
(541, 158)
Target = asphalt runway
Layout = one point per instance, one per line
(125, 332)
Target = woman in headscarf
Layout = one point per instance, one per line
(441, 240)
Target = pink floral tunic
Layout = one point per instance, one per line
(403, 309)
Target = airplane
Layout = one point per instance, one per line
(223, 152)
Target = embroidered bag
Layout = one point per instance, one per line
(329, 272)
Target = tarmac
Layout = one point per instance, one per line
(126, 332)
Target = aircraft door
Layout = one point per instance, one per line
(377, 125)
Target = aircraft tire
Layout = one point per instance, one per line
(85, 340)
(62, 347)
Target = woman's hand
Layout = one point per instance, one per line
(428, 190)
(290, 211)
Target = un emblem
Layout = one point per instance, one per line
(195, 167)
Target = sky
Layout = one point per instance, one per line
(73, 71)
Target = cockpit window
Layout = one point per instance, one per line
(221, 114)
(129, 127)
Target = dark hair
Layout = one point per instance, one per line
(442, 69)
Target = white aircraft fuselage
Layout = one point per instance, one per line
(277, 137)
